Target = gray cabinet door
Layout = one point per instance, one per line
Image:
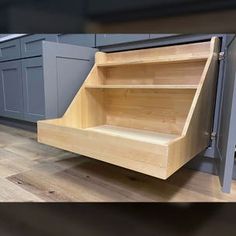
(110, 39)
(33, 89)
(11, 89)
(32, 45)
(65, 69)
(10, 50)
(87, 40)
(226, 135)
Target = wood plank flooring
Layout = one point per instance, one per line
(30, 171)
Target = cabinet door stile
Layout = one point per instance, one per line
(33, 89)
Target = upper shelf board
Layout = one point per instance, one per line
(160, 60)
(142, 86)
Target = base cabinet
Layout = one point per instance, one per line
(42, 87)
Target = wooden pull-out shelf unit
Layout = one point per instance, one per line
(147, 110)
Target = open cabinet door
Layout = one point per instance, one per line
(226, 136)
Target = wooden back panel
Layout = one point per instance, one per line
(163, 111)
(175, 73)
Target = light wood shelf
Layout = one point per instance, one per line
(134, 134)
(163, 60)
(147, 118)
(142, 86)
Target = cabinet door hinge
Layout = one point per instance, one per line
(221, 56)
(213, 135)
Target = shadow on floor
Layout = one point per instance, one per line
(146, 186)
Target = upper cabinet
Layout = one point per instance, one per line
(10, 50)
(32, 45)
(110, 39)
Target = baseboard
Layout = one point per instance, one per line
(18, 124)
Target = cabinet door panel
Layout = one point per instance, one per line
(11, 89)
(65, 68)
(226, 135)
(75, 71)
(110, 39)
(10, 50)
(33, 88)
(32, 45)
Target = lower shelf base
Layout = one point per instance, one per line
(147, 152)
(135, 134)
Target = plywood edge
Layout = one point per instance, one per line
(178, 154)
(100, 57)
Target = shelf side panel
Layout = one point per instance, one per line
(197, 130)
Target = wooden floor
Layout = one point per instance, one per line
(30, 171)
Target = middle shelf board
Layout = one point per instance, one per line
(142, 86)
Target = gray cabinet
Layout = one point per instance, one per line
(158, 36)
(87, 40)
(65, 68)
(226, 135)
(43, 87)
(11, 88)
(33, 89)
(32, 45)
(10, 50)
(110, 39)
